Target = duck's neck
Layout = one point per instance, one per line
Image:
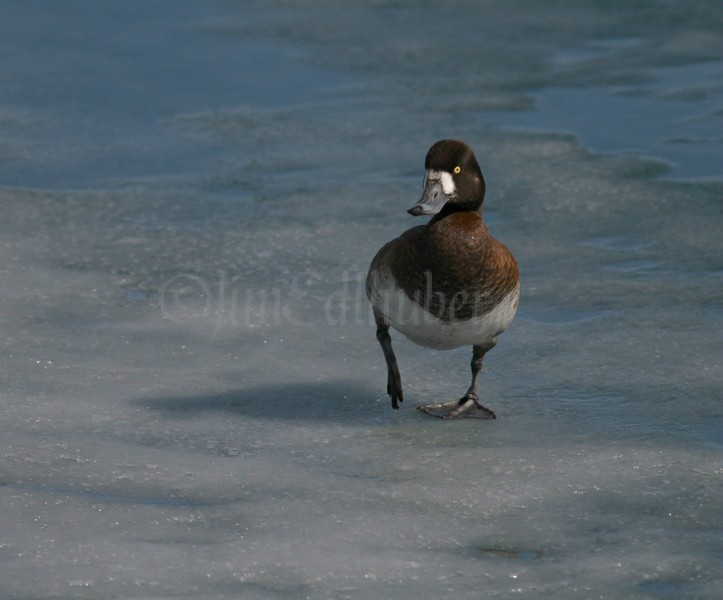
(449, 209)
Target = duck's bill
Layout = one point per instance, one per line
(432, 200)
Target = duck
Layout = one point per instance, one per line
(448, 283)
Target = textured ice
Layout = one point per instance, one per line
(677, 124)
(192, 398)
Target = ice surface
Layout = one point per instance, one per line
(192, 400)
(655, 119)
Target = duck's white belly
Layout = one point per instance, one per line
(420, 326)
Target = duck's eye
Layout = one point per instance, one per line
(457, 169)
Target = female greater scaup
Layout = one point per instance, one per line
(447, 283)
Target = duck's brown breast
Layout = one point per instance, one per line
(452, 267)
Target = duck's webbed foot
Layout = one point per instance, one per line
(394, 389)
(468, 407)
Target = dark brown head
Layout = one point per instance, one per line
(452, 182)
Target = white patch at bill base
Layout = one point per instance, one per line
(445, 179)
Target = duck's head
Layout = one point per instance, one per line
(452, 181)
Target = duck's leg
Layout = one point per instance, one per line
(469, 405)
(470, 401)
(394, 380)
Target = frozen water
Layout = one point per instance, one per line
(192, 400)
(657, 120)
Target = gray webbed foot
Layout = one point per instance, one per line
(467, 408)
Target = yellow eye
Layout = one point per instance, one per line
(457, 170)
